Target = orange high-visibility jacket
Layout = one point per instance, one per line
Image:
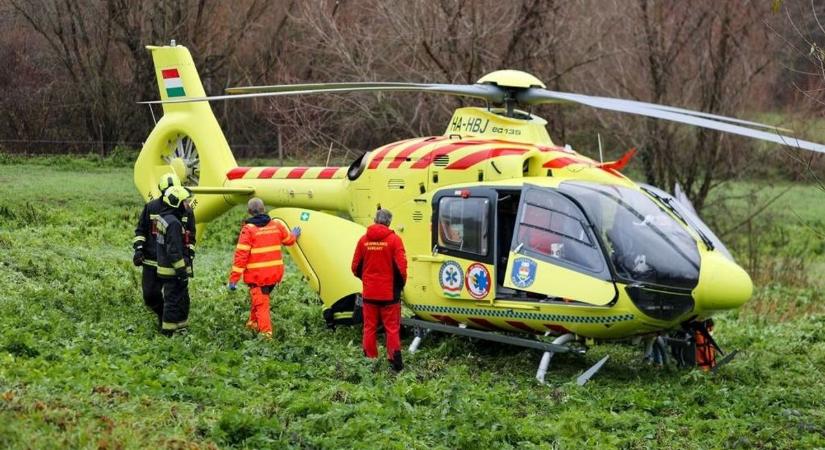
(258, 254)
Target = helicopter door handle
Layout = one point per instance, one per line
(428, 258)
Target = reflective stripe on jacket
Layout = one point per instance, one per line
(172, 252)
(258, 253)
(146, 232)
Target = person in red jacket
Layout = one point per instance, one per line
(381, 264)
(258, 260)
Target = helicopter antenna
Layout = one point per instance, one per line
(152, 111)
(601, 153)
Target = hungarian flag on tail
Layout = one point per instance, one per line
(172, 83)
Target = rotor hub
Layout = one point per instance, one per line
(511, 79)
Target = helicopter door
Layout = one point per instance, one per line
(463, 245)
(554, 252)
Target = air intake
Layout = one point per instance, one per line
(441, 161)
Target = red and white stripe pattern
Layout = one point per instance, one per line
(281, 173)
(421, 153)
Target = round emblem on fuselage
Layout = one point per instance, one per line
(478, 280)
(451, 278)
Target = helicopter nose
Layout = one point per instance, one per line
(722, 284)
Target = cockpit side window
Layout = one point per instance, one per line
(552, 228)
(463, 224)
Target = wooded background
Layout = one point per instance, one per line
(73, 70)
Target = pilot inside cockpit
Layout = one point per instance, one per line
(627, 250)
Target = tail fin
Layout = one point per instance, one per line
(187, 139)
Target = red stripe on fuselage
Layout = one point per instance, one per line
(328, 172)
(564, 161)
(376, 160)
(237, 172)
(268, 172)
(520, 325)
(441, 151)
(297, 172)
(484, 323)
(557, 328)
(170, 73)
(445, 319)
(401, 157)
(475, 158)
(613, 172)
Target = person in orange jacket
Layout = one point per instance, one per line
(258, 261)
(379, 261)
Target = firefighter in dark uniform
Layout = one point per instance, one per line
(174, 263)
(144, 245)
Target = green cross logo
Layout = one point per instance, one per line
(304, 216)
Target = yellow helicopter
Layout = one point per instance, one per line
(504, 229)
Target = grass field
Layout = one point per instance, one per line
(81, 365)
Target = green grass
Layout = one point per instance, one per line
(81, 366)
(788, 222)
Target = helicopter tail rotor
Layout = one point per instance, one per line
(187, 139)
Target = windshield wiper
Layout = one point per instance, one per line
(666, 201)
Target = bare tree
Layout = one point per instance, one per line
(703, 55)
(801, 26)
(99, 46)
(425, 41)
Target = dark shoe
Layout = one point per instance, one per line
(396, 363)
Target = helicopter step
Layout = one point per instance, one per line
(421, 328)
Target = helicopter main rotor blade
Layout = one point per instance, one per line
(488, 93)
(532, 97)
(535, 96)
(701, 114)
(317, 86)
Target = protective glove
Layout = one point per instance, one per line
(137, 258)
(181, 273)
(231, 286)
(191, 254)
(296, 232)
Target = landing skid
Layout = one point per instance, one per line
(559, 345)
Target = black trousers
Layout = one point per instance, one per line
(153, 290)
(175, 304)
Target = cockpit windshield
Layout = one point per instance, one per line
(690, 216)
(645, 243)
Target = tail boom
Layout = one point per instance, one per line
(318, 188)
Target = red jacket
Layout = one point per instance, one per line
(258, 253)
(380, 263)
